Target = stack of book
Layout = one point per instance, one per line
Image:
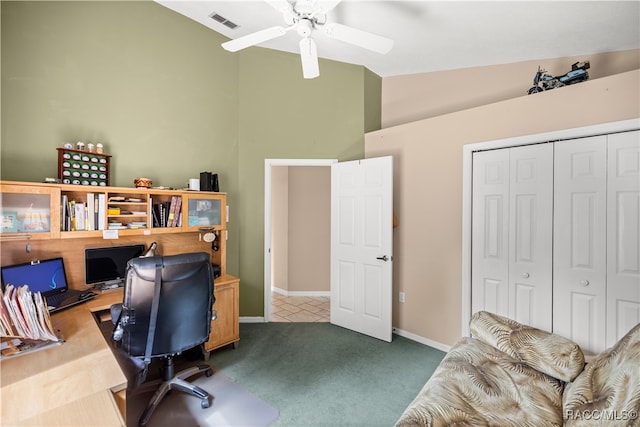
(25, 322)
(168, 214)
(80, 215)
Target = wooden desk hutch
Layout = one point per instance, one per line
(34, 227)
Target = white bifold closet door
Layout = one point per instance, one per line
(512, 214)
(623, 234)
(596, 291)
(580, 254)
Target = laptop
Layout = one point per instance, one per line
(47, 277)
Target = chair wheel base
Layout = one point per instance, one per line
(205, 403)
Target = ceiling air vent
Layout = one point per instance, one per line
(224, 21)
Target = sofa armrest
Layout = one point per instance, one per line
(551, 354)
(608, 389)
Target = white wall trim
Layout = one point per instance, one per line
(399, 332)
(467, 173)
(422, 340)
(268, 164)
(301, 293)
(252, 319)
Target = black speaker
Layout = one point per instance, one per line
(209, 182)
(205, 181)
(214, 183)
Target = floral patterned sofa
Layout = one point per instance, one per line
(510, 374)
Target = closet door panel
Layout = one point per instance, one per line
(623, 231)
(530, 235)
(489, 245)
(579, 264)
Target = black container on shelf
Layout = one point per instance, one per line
(209, 182)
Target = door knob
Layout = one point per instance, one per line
(525, 275)
(383, 258)
(584, 282)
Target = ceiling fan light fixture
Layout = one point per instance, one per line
(305, 16)
(304, 27)
(305, 8)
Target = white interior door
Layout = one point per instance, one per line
(623, 234)
(579, 268)
(490, 232)
(512, 233)
(362, 245)
(530, 235)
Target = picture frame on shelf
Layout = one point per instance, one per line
(33, 221)
(8, 222)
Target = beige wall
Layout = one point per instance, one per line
(309, 228)
(301, 198)
(419, 96)
(428, 187)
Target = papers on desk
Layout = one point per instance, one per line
(25, 322)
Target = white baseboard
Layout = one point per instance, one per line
(301, 293)
(251, 319)
(400, 332)
(422, 340)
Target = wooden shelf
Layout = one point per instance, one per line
(207, 211)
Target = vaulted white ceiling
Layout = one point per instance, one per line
(443, 35)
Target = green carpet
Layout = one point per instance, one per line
(318, 374)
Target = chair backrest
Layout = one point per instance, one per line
(184, 305)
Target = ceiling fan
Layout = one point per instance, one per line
(307, 16)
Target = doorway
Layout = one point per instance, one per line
(297, 239)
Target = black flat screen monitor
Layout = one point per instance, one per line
(106, 266)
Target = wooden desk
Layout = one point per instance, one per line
(80, 382)
(76, 383)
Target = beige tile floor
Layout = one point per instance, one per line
(299, 309)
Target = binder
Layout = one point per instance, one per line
(102, 211)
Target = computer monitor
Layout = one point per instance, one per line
(105, 267)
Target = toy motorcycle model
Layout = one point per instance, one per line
(544, 81)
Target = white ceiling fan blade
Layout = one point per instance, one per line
(360, 38)
(254, 38)
(309, 57)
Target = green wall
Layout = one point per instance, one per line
(281, 115)
(168, 102)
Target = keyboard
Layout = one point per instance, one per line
(56, 299)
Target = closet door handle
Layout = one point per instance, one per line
(383, 258)
(525, 275)
(584, 282)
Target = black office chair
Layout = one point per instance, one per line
(167, 309)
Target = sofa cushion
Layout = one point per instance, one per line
(549, 353)
(476, 384)
(607, 392)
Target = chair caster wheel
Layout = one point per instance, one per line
(208, 372)
(204, 403)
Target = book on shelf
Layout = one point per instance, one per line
(174, 211)
(64, 212)
(80, 215)
(25, 322)
(102, 208)
(91, 213)
(177, 217)
(160, 212)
